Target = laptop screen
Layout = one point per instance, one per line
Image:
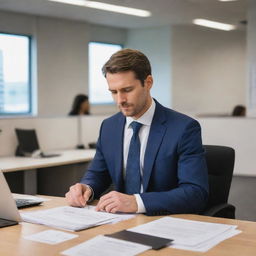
(27, 140)
(8, 208)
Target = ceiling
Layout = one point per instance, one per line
(164, 12)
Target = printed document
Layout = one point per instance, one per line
(72, 218)
(107, 246)
(188, 234)
(51, 236)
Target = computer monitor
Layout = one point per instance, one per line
(28, 142)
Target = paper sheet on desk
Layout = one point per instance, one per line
(207, 245)
(187, 234)
(51, 236)
(72, 218)
(107, 246)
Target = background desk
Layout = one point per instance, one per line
(49, 176)
(12, 241)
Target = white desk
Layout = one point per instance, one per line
(29, 165)
(13, 163)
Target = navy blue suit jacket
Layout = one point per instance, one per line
(175, 178)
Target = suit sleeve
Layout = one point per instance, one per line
(191, 193)
(97, 175)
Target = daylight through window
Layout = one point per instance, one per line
(99, 53)
(15, 88)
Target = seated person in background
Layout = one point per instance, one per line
(80, 105)
(239, 110)
(151, 154)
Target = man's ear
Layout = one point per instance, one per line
(148, 83)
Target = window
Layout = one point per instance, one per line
(99, 53)
(15, 87)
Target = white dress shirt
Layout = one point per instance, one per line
(146, 120)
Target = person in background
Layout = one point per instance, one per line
(239, 110)
(80, 105)
(152, 155)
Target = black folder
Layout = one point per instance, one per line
(153, 241)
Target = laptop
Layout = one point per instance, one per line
(9, 214)
(28, 144)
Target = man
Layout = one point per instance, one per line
(157, 168)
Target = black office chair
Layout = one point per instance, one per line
(220, 162)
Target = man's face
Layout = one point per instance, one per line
(131, 97)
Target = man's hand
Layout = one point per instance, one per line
(117, 202)
(78, 195)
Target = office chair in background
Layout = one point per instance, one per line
(220, 162)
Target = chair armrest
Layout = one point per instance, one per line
(221, 210)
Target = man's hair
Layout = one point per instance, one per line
(128, 60)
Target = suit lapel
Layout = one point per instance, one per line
(119, 153)
(156, 134)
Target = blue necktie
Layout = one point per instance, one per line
(133, 177)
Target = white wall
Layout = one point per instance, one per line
(17, 23)
(62, 57)
(238, 133)
(62, 64)
(209, 69)
(196, 70)
(53, 133)
(251, 59)
(155, 43)
(110, 35)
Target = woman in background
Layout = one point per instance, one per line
(80, 105)
(239, 110)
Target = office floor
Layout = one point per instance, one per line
(243, 196)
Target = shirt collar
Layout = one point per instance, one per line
(146, 118)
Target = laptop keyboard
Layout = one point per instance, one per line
(22, 203)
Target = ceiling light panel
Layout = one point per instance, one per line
(106, 7)
(214, 24)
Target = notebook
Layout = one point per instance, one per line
(9, 214)
(28, 144)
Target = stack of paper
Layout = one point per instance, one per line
(72, 218)
(187, 234)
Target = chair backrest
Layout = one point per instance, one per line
(220, 162)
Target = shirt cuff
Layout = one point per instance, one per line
(141, 207)
(92, 195)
